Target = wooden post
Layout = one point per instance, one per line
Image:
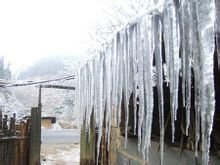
(39, 97)
(23, 145)
(0, 118)
(39, 114)
(1, 142)
(5, 126)
(1, 124)
(35, 137)
(12, 126)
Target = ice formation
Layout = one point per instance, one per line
(124, 67)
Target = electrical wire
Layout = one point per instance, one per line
(27, 83)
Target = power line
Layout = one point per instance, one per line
(27, 83)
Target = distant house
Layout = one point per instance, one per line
(47, 122)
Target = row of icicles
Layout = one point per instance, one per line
(125, 66)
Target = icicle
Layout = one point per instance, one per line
(120, 75)
(135, 74)
(126, 66)
(130, 49)
(197, 74)
(91, 95)
(82, 92)
(188, 59)
(114, 80)
(108, 86)
(147, 50)
(175, 56)
(206, 18)
(159, 66)
(86, 90)
(104, 80)
(93, 84)
(117, 77)
(140, 85)
(89, 109)
(107, 89)
(78, 97)
(117, 89)
(112, 83)
(186, 51)
(101, 103)
(166, 28)
(183, 50)
(173, 46)
(96, 85)
(126, 83)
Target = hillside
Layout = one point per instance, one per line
(55, 102)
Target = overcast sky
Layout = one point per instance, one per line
(32, 29)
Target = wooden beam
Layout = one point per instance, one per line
(58, 87)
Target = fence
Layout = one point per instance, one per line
(20, 139)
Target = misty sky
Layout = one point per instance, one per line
(32, 29)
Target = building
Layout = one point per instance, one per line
(47, 122)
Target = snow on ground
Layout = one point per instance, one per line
(60, 154)
(56, 126)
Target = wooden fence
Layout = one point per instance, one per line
(20, 139)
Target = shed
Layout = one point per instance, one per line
(47, 122)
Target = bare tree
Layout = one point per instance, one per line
(115, 14)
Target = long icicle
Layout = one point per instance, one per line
(100, 104)
(140, 86)
(159, 66)
(206, 18)
(126, 84)
(135, 93)
(197, 74)
(115, 80)
(186, 58)
(188, 61)
(120, 75)
(109, 89)
(143, 38)
(173, 46)
(148, 48)
(183, 50)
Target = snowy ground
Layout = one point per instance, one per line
(60, 154)
(60, 146)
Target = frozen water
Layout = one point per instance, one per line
(159, 66)
(124, 66)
